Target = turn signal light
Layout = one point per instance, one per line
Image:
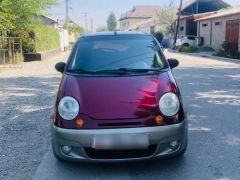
(159, 120)
(79, 123)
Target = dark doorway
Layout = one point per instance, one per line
(232, 38)
(191, 27)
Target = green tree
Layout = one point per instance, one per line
(159, 36)
(17, 16)
(75, 29)
(102, 28)
(111, 22)
(167, 16)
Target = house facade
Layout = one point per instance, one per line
(224, 26)
(137, 15)
(192, 9)
(49, 21)
(148, 26)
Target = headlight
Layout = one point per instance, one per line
(169, 104)
(68, 108)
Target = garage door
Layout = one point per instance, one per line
(232, 38)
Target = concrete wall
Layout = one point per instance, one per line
(128, 23)
(182, 23)
(218, 31)
(205, 29)
(151, 23)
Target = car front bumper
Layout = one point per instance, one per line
(80, 142)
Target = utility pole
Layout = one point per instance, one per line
(197, 8)
(91, 24)
(86, 21)
(67, 14)
(177, 28)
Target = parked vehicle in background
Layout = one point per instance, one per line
(186, 41)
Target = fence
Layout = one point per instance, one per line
(11, 54)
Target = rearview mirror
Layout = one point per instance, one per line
(173, 63)
(60, 67)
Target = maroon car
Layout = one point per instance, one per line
(118, 101)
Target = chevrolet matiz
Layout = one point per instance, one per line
(118, 101)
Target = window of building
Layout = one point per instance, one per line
(205, 25)
(181, 28)
(218, 23)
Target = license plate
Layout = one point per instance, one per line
(121, 142)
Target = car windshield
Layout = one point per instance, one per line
(119, 52)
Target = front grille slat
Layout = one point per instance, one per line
(120, 154)
(120, 124)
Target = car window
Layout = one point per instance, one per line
(114, 52)
(191, 38)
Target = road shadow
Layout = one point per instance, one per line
(26, 105)
(212, 99)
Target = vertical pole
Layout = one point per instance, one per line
(177, 28)
(91, 25)
(86, 21)
(197, 8)
(67, 14)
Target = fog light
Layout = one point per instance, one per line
(66, 149)
(174, 144)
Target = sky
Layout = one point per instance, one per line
(98, 10)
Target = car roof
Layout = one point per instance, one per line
(114, 33)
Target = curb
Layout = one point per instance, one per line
(208, 56)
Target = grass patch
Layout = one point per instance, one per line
(187, 49)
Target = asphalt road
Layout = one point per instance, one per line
(26, 102)
(211, 91)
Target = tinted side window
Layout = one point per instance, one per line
(191, 38)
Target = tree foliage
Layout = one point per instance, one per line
(159, 36)
(167, 16)
(19, 15)
(102, 28)
(42, 38)
(111, 22)
(75, 29)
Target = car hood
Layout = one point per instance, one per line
(118, 97)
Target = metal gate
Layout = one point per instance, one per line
(11, 54)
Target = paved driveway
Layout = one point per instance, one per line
(26, 100)
(211, 90)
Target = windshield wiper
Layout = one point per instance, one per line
(81, 71)
(127, 70)
(113, 71)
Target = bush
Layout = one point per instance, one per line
(28, 43)
(221, 51)
(159, 36)
(46, 38)
(42, 38)
(187, 49)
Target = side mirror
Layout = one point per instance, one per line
(173, 63)
(60, 67)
